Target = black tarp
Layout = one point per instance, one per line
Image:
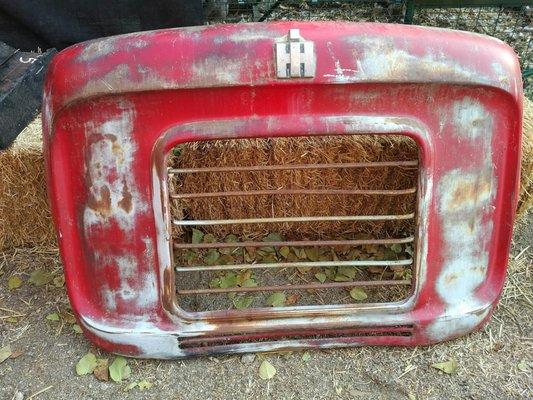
(31, 24)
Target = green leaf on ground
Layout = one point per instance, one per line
(119, 369)
(396, 247)
(5, 353)
(321, 277)
(14, 282)
(87, 364)
(522, 366)
(225, 259)
(306, 356)
(209, 238)
(350, 272)
(284, 251)
(242, 302)
(273, 237)
(448, 367)
(266, 370)
(250, 282)
(40, 277)
(144, 384)
(311, 253)
(211, 257)
(358, 294)
(229, 280)
(276, 299)
(197, 236)
(59, 280)
(214, 283)
(342, 278)
(231, 238)
(53, 317)
(76, 328)
(300, 253)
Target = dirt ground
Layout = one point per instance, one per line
(494, 363)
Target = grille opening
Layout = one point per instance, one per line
(293, 221)
(209, 341)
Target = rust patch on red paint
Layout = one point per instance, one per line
(451, 278)
(103, 205)
(168, 289)
(465, 193)
(126, 202)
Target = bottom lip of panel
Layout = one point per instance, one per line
(147, 340)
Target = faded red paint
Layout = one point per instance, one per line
(114, 107)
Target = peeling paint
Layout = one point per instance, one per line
(218, 70)
(380, 59)
(113, 195)
(450, 326)
(471, 120)
(247, 36)
(465, 197)
(104, 47)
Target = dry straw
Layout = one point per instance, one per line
(296, 151)
(24, 212)
(26, 221)
(526, 171)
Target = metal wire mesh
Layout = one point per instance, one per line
(513, 25)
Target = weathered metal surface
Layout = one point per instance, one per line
(113, 109)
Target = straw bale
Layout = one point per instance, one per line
(24, 211)
(526, 171)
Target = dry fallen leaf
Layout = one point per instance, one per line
(448, 367)
(16, 353)
(40, 277)
(292, 299)
(5, 353)
(14, 282)
(101, 372)
(266, 370)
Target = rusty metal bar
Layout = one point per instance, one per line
(297, 264)
(322, 192)
(309, 286)
(376, 164)
(301, 243)
(195, 222)
(359, 331)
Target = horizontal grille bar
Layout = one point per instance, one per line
(298, 264)
(300, 243)
(322, 192)
(359, 331)
(310, 286)
(294, 167)
(193, 222)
